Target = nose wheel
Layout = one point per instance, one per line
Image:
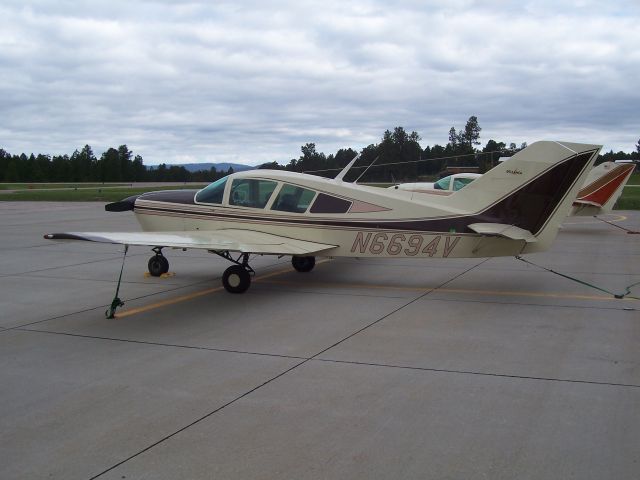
(158, 264)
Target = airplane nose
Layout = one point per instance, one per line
(122, 205)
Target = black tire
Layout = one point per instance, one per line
(303, 264)
(165, 264)
(157, 265)
(236, 279)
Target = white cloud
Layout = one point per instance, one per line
(246, 81)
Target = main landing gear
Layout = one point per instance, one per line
(158, 264)
(303, 264)
(236, 278)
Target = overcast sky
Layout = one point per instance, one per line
(252, 81)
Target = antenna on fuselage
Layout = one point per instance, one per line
(365, 170)
(344, 171)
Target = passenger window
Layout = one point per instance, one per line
(327, 204)
(212, 193)
(293, 199)
(459, 183)
(443, 183)
(252, 193)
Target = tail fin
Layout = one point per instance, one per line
(602, 188)
(532, 191)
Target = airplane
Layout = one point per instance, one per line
(513, 209)
(445, 186)
(602, 188)
(598, 195)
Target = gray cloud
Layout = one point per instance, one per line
(248, 82)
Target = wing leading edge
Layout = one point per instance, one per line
(244, 241)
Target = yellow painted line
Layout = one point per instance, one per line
(452, 290)
(164, 303)
(191, 296)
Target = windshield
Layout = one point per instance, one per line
(212, 193)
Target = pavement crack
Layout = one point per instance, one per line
(484, 374)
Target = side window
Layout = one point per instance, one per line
(293, 199)
(212, 193)
(459, 183)
(443, 183)
(249, 192)
(327, 204)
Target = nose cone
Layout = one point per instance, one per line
(122, 205)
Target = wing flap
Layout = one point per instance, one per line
(244, 241)
(502, 230)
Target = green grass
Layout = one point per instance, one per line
(84, 195)
(634, 179)
(630, 199)
(38, 186)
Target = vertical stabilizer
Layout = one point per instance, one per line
(533, 191)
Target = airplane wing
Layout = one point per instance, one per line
(502, 230)
(233, 240)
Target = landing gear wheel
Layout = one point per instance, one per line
(303, 264)
(158, 264)
(236, 279)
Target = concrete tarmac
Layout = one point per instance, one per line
(360, 369)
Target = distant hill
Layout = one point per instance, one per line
(194, 167)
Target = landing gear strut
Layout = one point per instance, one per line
(236, 278)
(158, 264)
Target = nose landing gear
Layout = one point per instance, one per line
(158, 264)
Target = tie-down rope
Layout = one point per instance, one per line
(116, 302)
(582, 282)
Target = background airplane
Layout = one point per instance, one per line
(515, 208)
(601, 190)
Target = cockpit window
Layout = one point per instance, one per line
(293, 199)
(249, 192)
(327, 204)
(443, 183)
(212, 193)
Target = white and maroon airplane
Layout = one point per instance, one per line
(513, 209)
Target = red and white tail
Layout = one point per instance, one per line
(602, 188)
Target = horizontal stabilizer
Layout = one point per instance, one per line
(233, 240)
(586, 202)
(502, 230)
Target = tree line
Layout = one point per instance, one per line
(397, 157)
(114, 165)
